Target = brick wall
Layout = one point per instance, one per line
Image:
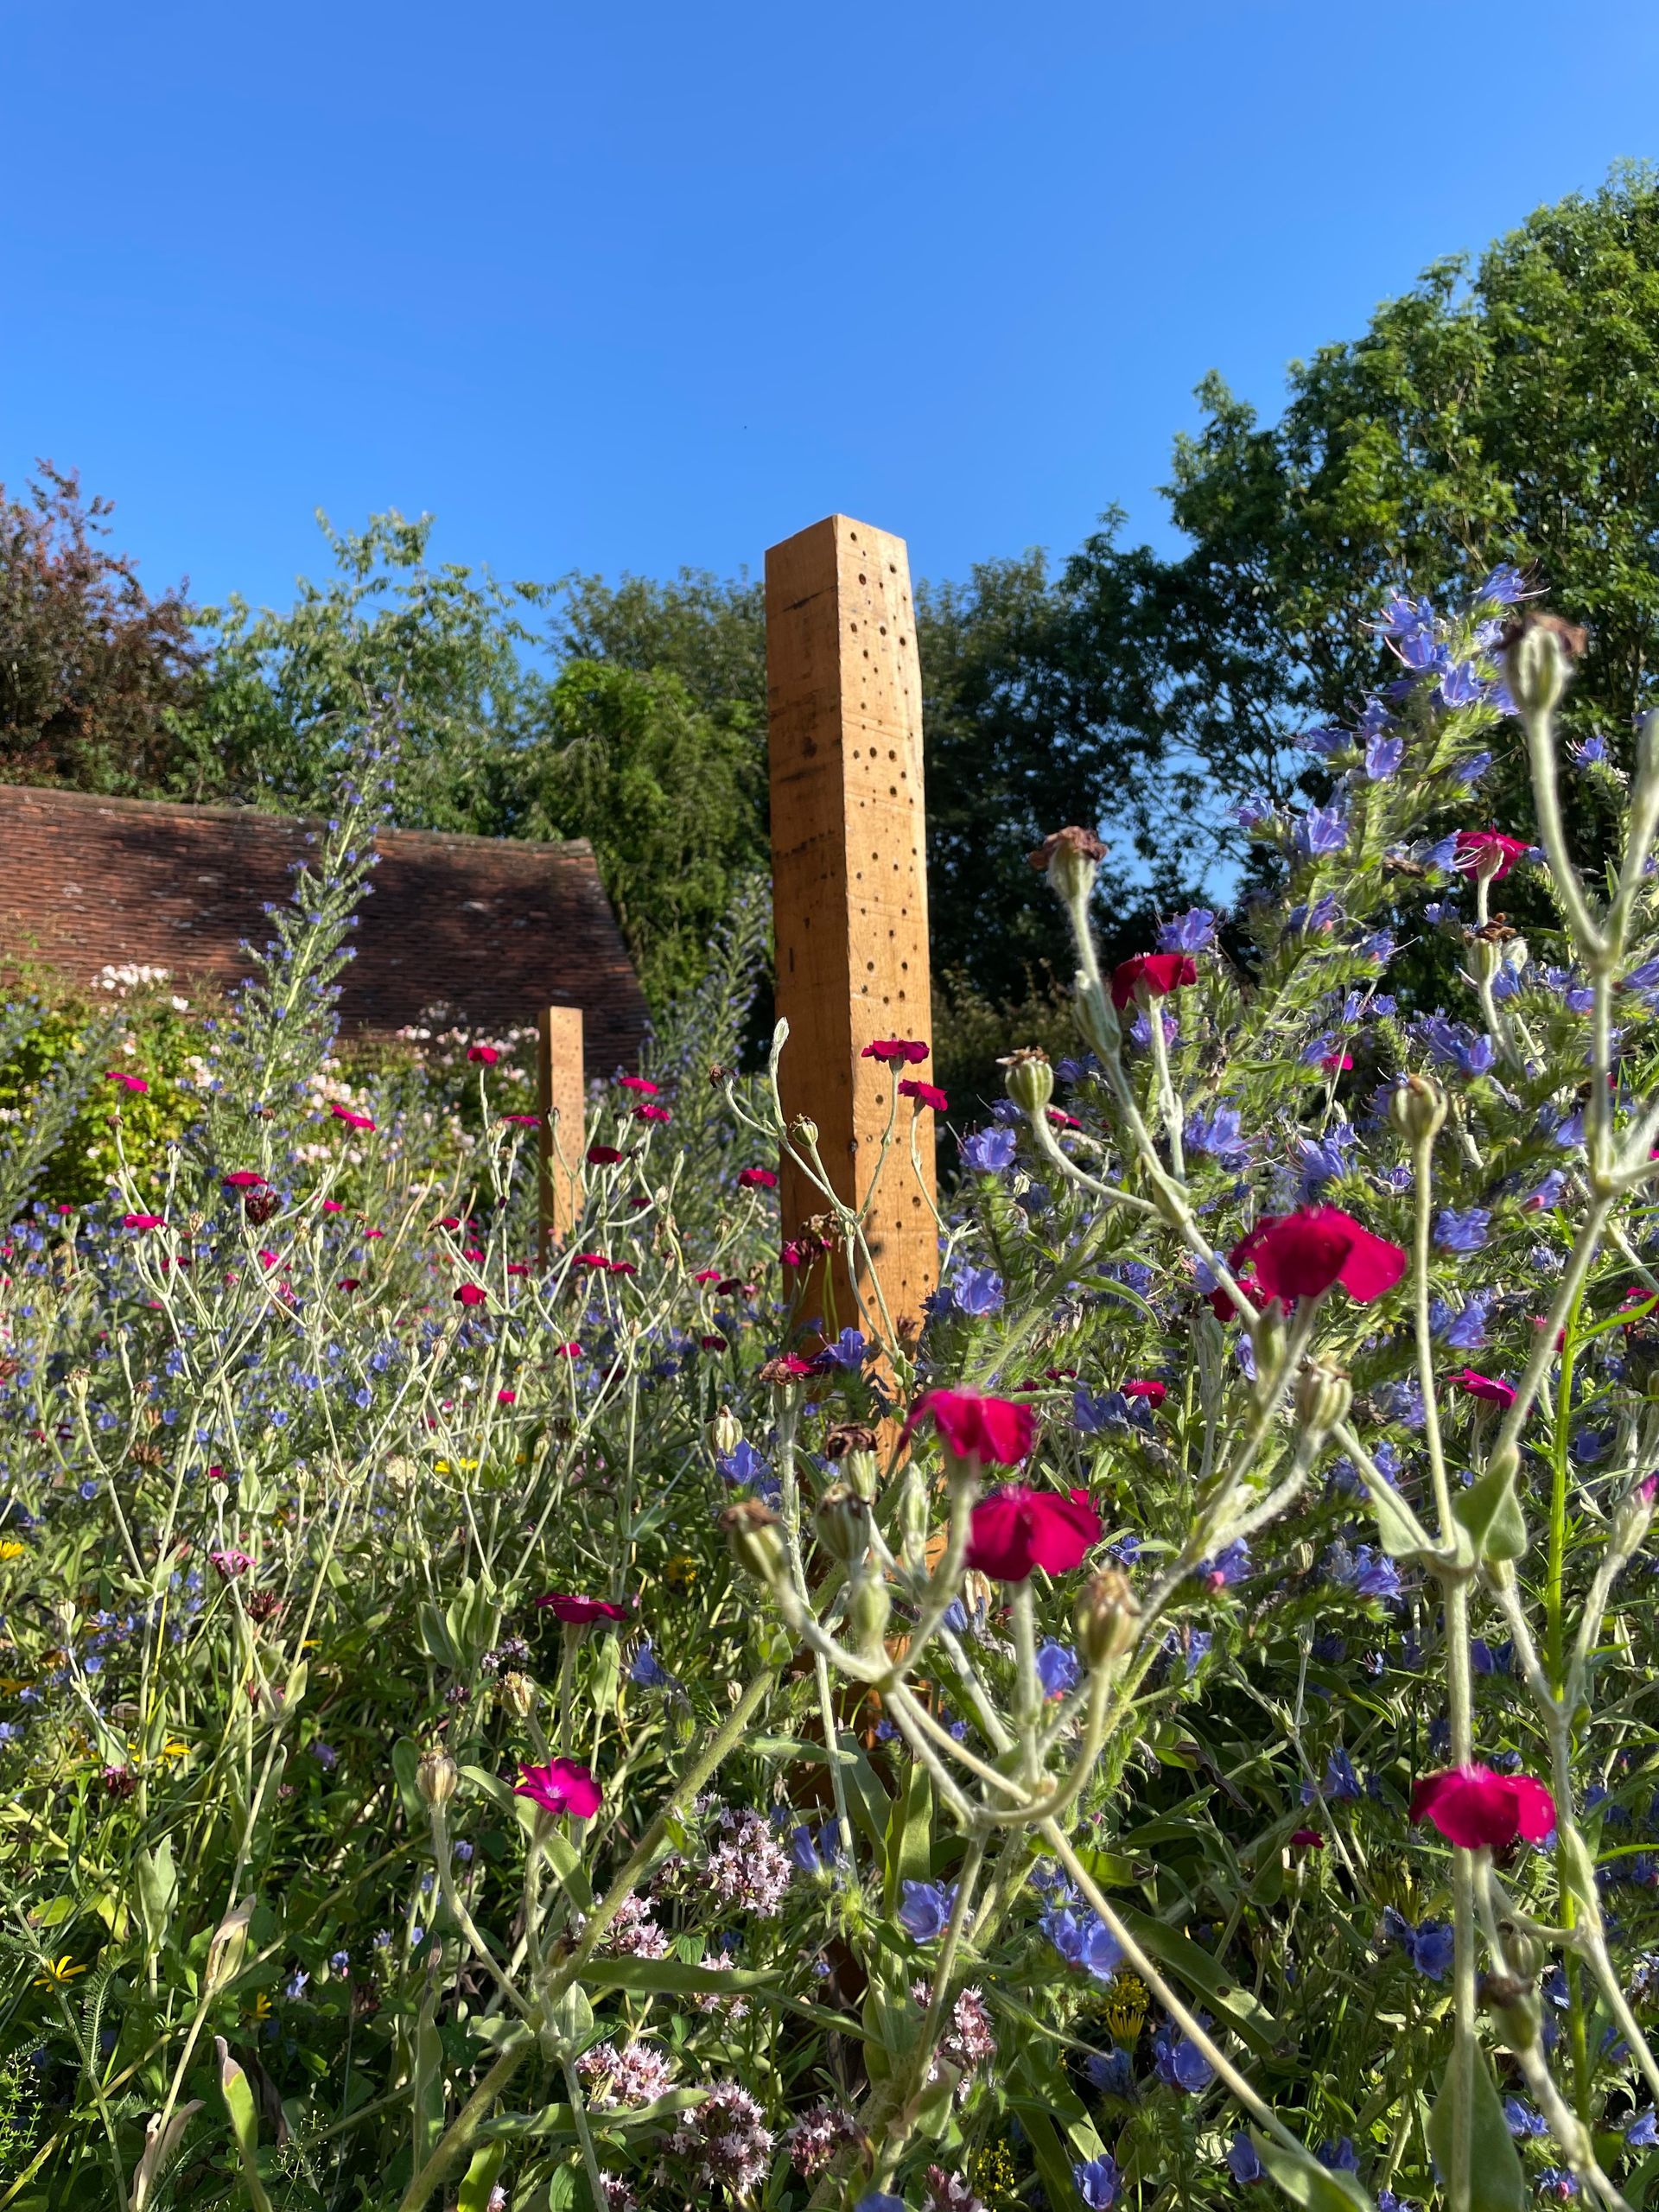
(492, 928)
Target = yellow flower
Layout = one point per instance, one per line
(260, 2008)
(60, 1973)
(1126, 2007)
(681, 1571)
(10, 1548)
(175, 1749)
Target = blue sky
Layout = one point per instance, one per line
(626, 287)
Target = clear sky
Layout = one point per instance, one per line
(630, 286)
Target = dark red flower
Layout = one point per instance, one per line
(895, 1051)
(1155, 1392)
(1472, 1806)
(245, 1178)
(603, 1155)
(1306, 1840)
(757, 1178)
(1488, 853)
(580, 1613)
(522, 1120)
(1300, 1254)
(623, 1268)
(1494, 1391)
(712, 1343)
(472, 1294)
(518, 1267)
(925, 1094)
(1156, 973)
(591, 1260)
(349, 1282)
(993, 1430)
(484, 1055)
(1015, 1529)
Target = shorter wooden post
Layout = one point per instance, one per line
(562, 1102)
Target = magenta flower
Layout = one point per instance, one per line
(581, 1613)
(143, 1221)
(895, 1051)
(245, 1178)
(1153, 1393)
(925, 1094)
(561, 1786)
(127, 1081)
(229, 1564)
(996, 1430)
(1156, 973)
(757, 1178)
(352, 1120)
(1015, 1529)
(1472, 1806)
(1494, 1391)
(1488, 853)
(637, 1084)
(1301, 1254)
(472, 1294)
(650, 1113)
(483, 1055)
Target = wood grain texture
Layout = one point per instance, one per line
(562, 1104)
(850, 885)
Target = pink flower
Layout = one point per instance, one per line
(332, 1205)
(506, 1398)
(925, 1094)
(707, 1274)
(352, 1120)
(245, 1178)
(581, 1613)
(567, 1352)
(793, 1255)
(127, 1081)
(143, 1221)
(522, 1120)
(472, 1294)
(989, 1429)
(561, 1786)
(267, 1259)
(603, 1155)
(1154, 1393)
(1301, 1254)
(1488, 853)
(1334, 1062)
(1015, 1529)
(229, 1564)
(484, 1055)
(591, 1260)
(895, 1051)
(649, 1113)
(755, 1178)
(637, 1083)
(518, 1267)
(1472, 1806)
(1490, 1386)
(1156, 973)
(623, 1268)
(349, 1282)
(1061, 1120)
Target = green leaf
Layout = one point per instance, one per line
(245, 2125)
(1496, 2183)
(1246, 2015)
(480, 2177)
(673, 1978)
(435, 1639)
(1400, 1533)
(1305, 2182)
(426, 2088)
(1491, 1510)
(566, 1862)
(158, 1891)
(1052, 2162)
(405, 1759)
(909, 1842)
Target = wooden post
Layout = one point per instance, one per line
(850, 888)
(562, 1102)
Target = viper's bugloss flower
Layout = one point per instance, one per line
(1058, 1668)
(925, 1094)
(996, 1431)
(1465, 1231)
(1321, 831)
(1488, 853)
(1155, 973)
(1491, 1388)
(1096, 2181)
(1015, 1529)
(1473, 1806)
(1303, 1254)
(580, 1613)
(975, 1291)
(561, 1786)
(1242, 2162)
(895, 1051)
(756, 1178)
(925, 1909)
(472, 1294)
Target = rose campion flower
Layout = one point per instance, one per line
(637, 1085)
(245, 1178)
(472, 1294)
(996, 1430)
(1015, 1529)
(143, 1221)
(561, 1786)
(352, 1120)
(757, 1178)
(1154, 1393)
(1303, 1254)
(895, 1051)
(1491, 1388)
(603, 1155)
(133, 1083)
(1473, 1806)
(1488, 853)
(1156, 973)
(483, 1055)
(925, 1094)
(580, 1613)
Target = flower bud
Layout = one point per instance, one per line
(227, 1948)
(755, 1535)
(1417, 1109)
(867, 1608)
(1539, 651)
(1635, 1515)
(804, 1130)
(437, 1777)
(1030, 1080)
(1070, 859)
(914, 1515)
(842, 1522)
(852, 1446)
(1516, 2014)
(725, 1433)
(518, 1693)
(1107, 1617)
(1324, 1395)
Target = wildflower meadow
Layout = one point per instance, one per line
(635, 1728)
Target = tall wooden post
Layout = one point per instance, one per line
(849, 886)
(562, 1102)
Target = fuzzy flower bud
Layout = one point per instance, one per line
(1070, 859)
(725, 1433)
(1324, 1395)
(852, 1446)
(437, 1777)
(804, 1130)
(842, 1522)
(1030, 1080)
(867, 1608)
(1417, 1109)
(1106, 1616)
(1634, 1516)
(518, 1693)
(755, 1535)
(1539, 651)
(1516, 2014)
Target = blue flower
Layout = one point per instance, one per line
(1193, 931)
(1082, 1939)
(1557, 2182)
(879, 2201)
(1230, 1565)
(1243, 2163)
(1505, 584)
(975, 1291)
(646, 1671)
(1462, 685)
(924, 1912)
(1430, 1947)
(816, 1855)
(1219, 1134)
(1642, 2133)
(1058, 1667)
(1096, 2180)
(1111, 2072)
(1340, 2156)
(1341, 1784)
(1256, 812)
(742, 1466)
(987, 1152)
(1320, 831)
(1179, 2063)
(1521, 2120)
(849, 1350)
(1463, 1329)
(1382, 756)
(1465, 1231)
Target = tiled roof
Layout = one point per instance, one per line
(493, 929)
